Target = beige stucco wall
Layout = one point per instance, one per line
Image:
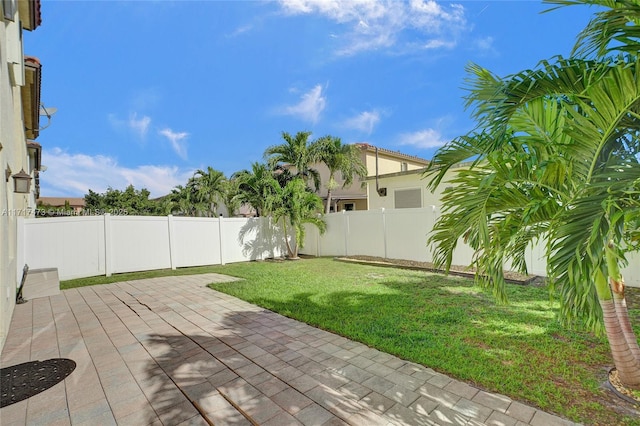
(409, 180)
(13, 155)
(388, 162)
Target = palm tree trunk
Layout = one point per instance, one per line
(620, 304)
(623, 358)
(286, 237)
(616, 282)
(328, 209)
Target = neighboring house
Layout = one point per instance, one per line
(19, 155)
(75, 205)
(407, 189)
(379, 161)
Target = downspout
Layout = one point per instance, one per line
(377, 186)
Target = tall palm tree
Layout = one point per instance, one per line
(345, 159)
(297, 152)
(555, 158)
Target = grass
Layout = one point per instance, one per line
(448, 324)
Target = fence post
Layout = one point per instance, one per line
(345, 227)
(384, 231)
(107, 245)
(172, 261)
(220, 228)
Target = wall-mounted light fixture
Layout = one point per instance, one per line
(22, 182)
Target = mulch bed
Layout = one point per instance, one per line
(464, 271)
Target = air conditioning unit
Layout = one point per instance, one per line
(382, 192)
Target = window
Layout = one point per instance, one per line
(404, 167)
(8, 8)
(407, 198)
(349, 206)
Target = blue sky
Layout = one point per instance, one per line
(147, 92)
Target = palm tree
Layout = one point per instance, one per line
(296, 152)
(345, 159)
(286, 198)
(181, 201)
(229, 196)
(208, 188)
(608, 31)
(555, 158)
(255, 186)
(296, 204)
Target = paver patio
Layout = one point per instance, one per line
(170, 351)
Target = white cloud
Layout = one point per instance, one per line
(485, 45)
(177, 140)
(386, 23)
(365, 121)
(310, 106)
(427, 138)
(240, 30)
(438, 44)
(74, 174)
(140, 126)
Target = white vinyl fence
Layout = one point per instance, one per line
(402, 234)
(103, 245)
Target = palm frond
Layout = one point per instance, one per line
(614, 28)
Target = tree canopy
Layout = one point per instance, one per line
(339, 158)
(555, 158)
(130, 201)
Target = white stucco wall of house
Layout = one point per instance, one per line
(13, 158)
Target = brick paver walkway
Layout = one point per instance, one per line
(170, 351)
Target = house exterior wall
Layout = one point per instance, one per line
(412, 179)
(356, 194)
(13, 158)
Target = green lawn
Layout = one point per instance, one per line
(445, 323)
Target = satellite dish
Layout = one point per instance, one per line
(47, 111)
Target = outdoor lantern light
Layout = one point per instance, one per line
(22, 182)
